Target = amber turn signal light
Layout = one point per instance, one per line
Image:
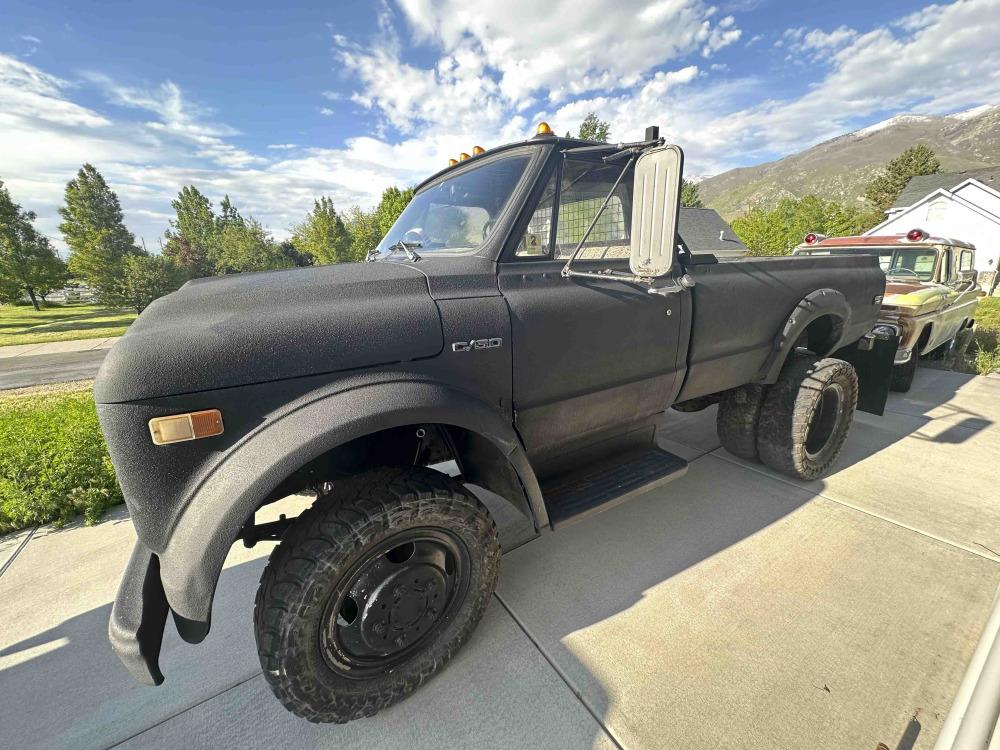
(178, 428)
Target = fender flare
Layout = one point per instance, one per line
(192, 561)
(811, 307)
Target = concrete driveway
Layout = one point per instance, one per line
(730, 608)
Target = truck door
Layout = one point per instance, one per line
(589, 355)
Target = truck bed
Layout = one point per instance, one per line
(738, 305)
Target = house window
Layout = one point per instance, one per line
(937, 210)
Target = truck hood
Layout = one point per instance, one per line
(915, 296)
(253, 328)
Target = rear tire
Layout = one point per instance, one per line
(738, 418)
(372, 591)
(902, 375)
(806, 416)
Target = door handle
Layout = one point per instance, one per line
(679, 285)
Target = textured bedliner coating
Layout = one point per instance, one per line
(256, 328)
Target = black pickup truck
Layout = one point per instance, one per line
(522, 329)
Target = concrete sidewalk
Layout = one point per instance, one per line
(731, 608)
(57, 347)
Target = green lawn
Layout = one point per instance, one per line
(54, 463)
(22, 324)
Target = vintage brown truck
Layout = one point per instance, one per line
(930, 293)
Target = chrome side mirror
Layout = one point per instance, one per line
(656, 196)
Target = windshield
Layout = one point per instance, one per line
(902, 262)
(457, 214)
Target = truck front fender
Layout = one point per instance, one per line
(192, 561)
(815, 305)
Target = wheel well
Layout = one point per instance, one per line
(821, 335)
(924, 337)
(478, 460)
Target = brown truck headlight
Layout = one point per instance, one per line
(885, 329)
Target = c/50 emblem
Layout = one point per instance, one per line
(468, 346)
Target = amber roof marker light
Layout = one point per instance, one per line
(452, 162)
(463, 156)
(543, 129)
(178, 428)
(477, 150)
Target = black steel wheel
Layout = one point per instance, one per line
(394, 600)
(372, 590)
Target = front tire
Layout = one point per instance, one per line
(372, 591)
(902, 375)
(806, 416)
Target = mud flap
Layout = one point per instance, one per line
(138, 617)
(872, 357)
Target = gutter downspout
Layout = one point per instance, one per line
(972, 720)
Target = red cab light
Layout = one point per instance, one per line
(915, 235)
(811, 239)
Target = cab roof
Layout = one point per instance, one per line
(560, 143)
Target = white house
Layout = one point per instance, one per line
(960, 205)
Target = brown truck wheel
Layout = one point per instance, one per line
(737, 420)
(806, 416)
(902, 375)
(372, 590)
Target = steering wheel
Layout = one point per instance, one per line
(897, 270)
(415, 236)
(488, 227)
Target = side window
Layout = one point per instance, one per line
(965, 261)
(585, 185)
(946, 267)
(535, 240)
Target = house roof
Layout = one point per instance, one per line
(700, 228)
(921, 185)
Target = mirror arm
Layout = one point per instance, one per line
(566, 272)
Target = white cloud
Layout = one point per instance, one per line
(486, 84)
(569, 46)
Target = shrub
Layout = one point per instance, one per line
(54, 463)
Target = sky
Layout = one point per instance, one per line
(276, 105)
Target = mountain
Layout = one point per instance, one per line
(840, 168)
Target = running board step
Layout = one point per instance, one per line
(597, 487)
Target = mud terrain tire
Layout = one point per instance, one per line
(372, 591)
(806, 416)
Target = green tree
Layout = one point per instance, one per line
(94, 229)
(323, 235)
(145, 278)
(53, 274)
(246, 247)
(689, 194)
(228, 214)
(294, 256)
(28, 264)
(363, 230)
(885, 188)
(779, 230)
(593, 129)
(390, 207)
(193, 234)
